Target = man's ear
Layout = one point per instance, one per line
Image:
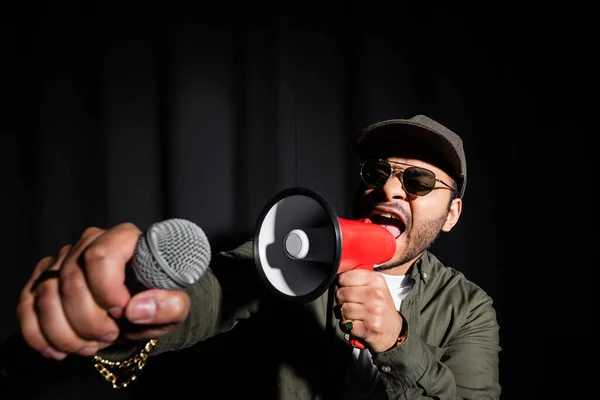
(453, 215)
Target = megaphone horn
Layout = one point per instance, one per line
(300, 244)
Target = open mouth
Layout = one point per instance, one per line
(389, 221)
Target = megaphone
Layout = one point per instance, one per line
(301, 245)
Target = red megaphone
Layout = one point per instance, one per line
(300, 245)
(364, 244)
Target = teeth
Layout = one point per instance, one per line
(388, 215)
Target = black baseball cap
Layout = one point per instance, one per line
(435, 143)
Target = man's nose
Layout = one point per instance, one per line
(393, 188)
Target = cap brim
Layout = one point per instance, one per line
(400, 138)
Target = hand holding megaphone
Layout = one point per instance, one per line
(301, 245)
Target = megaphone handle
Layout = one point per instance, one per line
(356, 342)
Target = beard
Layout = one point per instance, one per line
(417, 241)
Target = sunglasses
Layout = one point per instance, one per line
(417, 181)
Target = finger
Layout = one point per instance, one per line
(352, 311)
(85, 316)
(352, 294)
(363, 286)
(347, 325)
(357, 277)
(27, 318)
(48, 304)
(156, 306)
(46, 263)
(155, 312)
(39, 307)
(353, 333)
(54, 325)
(104, 262)
(354, 327)
(87, 319)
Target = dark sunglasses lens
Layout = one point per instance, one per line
(375, 172)
(418, 181)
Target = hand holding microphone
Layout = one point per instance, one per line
(78, 311)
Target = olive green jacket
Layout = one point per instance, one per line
(451, 351)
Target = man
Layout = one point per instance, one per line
(426, 330)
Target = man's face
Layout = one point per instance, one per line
(415, 221)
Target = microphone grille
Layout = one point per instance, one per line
(172, 254)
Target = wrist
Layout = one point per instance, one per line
(402, 335)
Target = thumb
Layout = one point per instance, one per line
(158, 307)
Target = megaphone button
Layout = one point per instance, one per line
(297, 243)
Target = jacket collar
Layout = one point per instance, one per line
(421, 269)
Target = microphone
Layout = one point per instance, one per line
(171, 254)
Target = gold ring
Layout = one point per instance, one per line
(52, 273)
